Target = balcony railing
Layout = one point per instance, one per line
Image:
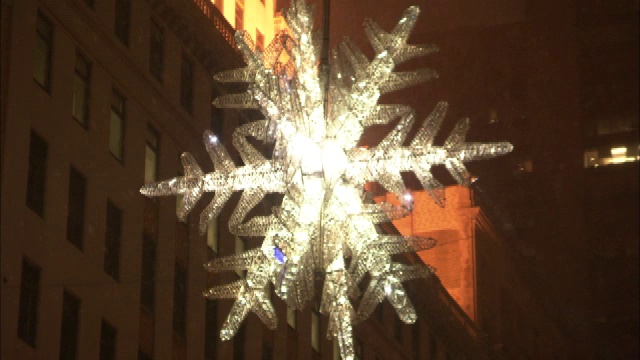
(219, 22)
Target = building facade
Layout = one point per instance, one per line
(99, 98)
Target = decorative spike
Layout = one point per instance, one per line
(457, 136)
(430, 126)
(400, 80)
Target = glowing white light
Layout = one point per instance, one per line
(619, 151)
(320, 172)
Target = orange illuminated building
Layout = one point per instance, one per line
(475, 266)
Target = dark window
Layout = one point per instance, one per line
(122, 23)
(113, 238)
(29, 296)
(180, 299)
(239, 14)
(238, 343)
(36, 178)
(398, 331)
(433, 347)
(69, 326)
(186, 84)
(151, 156)
(75, 214)
(156, 50)
(210, 329)
(116, 124)
(144, 356)
(416, 341)
(267, 352)
(90, 3)
(259, 40)
(217, 122)
(81, 87)
(44, 48)
(357, 349)
(380, 312)
(149, 245)
(108, 335)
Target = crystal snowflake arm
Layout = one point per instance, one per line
(394, 244)
(243, 261)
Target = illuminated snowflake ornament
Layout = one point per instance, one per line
(324, 225)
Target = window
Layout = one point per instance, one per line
(212, 235)
(116, 124)
(29, 296)
(156, 50)
(151, 156)
(315, 328)
(144, 356)
(291, 317)
(81, 87)
(180, 298)
(108, 335)
(357, 349)
(259, 40)
(433, 347)
(380, 312)
(240, 246)
(398, 330)
(149, 245)
(238, 343)
(113, 238)
(210, 329)
(69, 326)
(611, 155)
(90, 3)
(75, 213)
(36, 177)
(336, 350)
(267, 352)
(186, 84)
(122, 20)
(239, 14)
(44, 48)
(416, 341)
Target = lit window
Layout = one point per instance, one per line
(81, 81)
(315, 328)
(291, 317)
(618, 154)
(259, 40)
(239, 14)
(493, 116)
(29, 297)
(44, 45)
(116, 125)
(151, 156)
(212, 235)
(240, 246)
(336, 350)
